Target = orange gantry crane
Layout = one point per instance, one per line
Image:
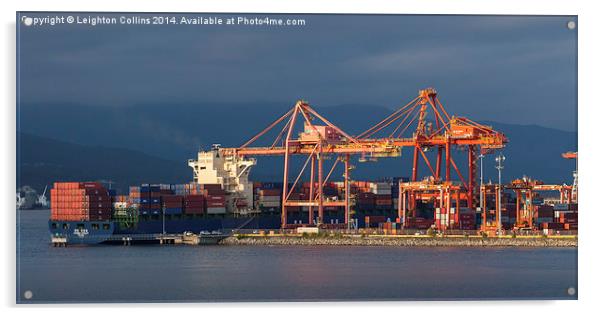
(442, 193)
(443, 132)
(573, 155)
(317, 141)
(495, 224)
(524, 189)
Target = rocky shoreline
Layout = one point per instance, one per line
(400, 241)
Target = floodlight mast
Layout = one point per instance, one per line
(500, 165)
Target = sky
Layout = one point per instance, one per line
(510, 69)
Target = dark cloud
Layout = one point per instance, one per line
(515, 69)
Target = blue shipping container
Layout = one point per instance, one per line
(173, 211)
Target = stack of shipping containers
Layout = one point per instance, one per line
(215, 198)
(268, 200)
(373, 204)
(80, 201)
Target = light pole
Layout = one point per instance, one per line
(163, 216)
(500, 165)
(481, 156)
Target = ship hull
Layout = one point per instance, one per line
(96, 232)
(82, 232)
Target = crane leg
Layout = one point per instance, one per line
(438, 166)
(320, 188)
(311, 190)
(447, 161)
(284, 190)
(471, 175)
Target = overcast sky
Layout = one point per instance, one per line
(509, 69)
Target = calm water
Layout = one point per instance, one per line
(245, 273)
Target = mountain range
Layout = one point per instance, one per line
(151, 142)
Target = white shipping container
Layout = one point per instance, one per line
(558, 213)
(269, 198)
(121, 205)
(309, 230)
(269, 204)
(216, 210)
(382, 191)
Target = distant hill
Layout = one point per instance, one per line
(176, 131)
(42, 161)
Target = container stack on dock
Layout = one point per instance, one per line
(543, 214)
(467, 219)
(442, 218)
(569, 220)
(565, 217)
(366, 201)
(419, 222)
(374, 221)
(80, 201)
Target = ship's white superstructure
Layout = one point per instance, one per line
(232, 172)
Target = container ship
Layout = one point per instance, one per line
(222, 198)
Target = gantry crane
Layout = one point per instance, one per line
(573, 155)
(449, 131)
(441, 192)
(318, 142)
(524, 189)
(495, 225)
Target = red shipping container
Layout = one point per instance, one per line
(194, 198)
(570, 226)
(92, 185)
(173, 198)
(194, 210)
(367, 195)
(375, 219)
(145, 195)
